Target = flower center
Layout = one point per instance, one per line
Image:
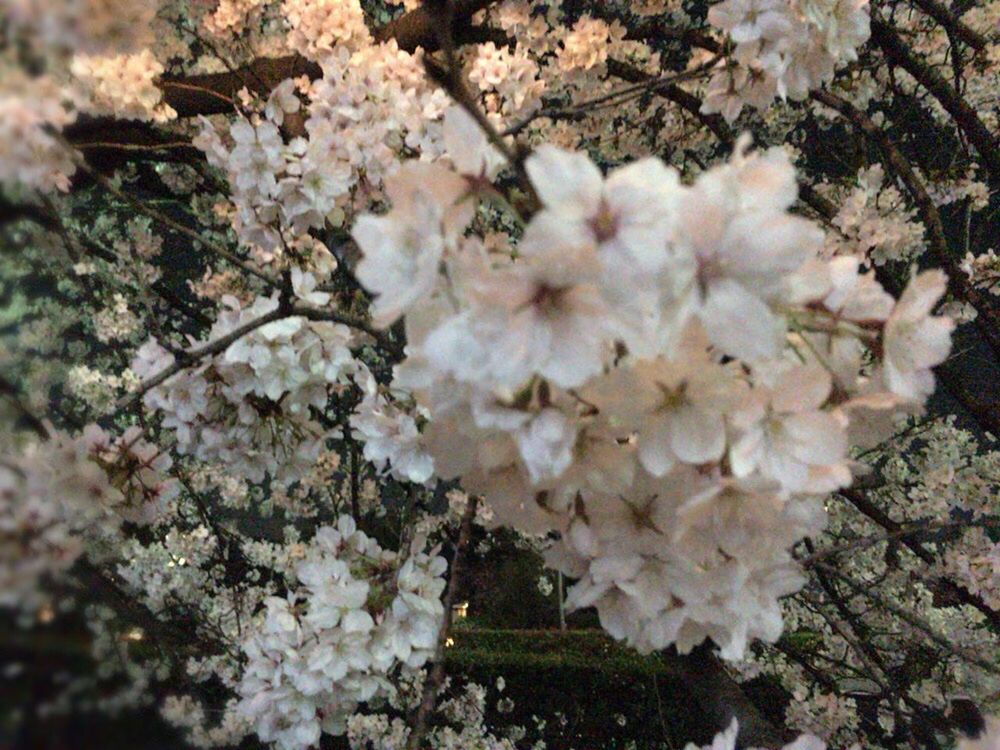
(604, 224)
(547, 298)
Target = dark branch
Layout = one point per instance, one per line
(965, 116)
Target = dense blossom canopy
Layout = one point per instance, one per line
(311, 301)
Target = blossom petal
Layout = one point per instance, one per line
(565, 179)
(739, 323)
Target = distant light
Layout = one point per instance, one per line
(449, 642)
(135, 634)
(46, 614)
(460, 611)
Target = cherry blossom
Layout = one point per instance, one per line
(271, 264)
(596, 416)
(782, 48)
(915, 340)
(309, 669)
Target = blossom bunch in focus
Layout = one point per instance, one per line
(663, 375)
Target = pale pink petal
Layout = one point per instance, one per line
(802, 388)
(565, 179)
(698, 437)
(816, 438)
(655, 453)
(739, 323)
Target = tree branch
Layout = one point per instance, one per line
(987, 320)
(911, 619)
(436, 676)
(940, 13)
(860, 501)
(216, 93)
(908, 531)
(219, 345)
(965, 116)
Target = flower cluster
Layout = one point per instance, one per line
(231, 16)
(983, 270)
(585, 45)
(369, 104)
(509, 79)
(782, 48)
(459, 725)
(64, 492)
(316, 27)
(97, 389)
(29, 155)
(123, 86)
(390, 435)
(874, 222)
(90, 26)
(818, 711)
(360, 613)
(258, 165)
(163, 573)
(249, 407)
(116, 321)
(664, 375)
(663, 384)
(201, 731)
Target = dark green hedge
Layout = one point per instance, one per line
(594, 682)
(576, 649)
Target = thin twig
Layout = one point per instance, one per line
(165, 84)
(988, 319)
(965, 116)
(192, 357)
(911, 619)
(437, 674)
(910, 531)
(134, 146)
(449, 77)
(158, 216)
(940, 13)
(613, 98)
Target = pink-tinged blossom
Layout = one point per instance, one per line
(915, 340)
(65, 494)
(471, 153)
(545, 317)
(663, 375)
(628, 216)
(743, 244)
(782, 48)
(786, 436)
(751, 20)
(403, 249)
(391, 440)
(250, 406)
(358, 616)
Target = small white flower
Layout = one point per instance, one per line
(915, 341)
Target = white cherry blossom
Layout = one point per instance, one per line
(916, 340)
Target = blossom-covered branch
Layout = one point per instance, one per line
(646, 302)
